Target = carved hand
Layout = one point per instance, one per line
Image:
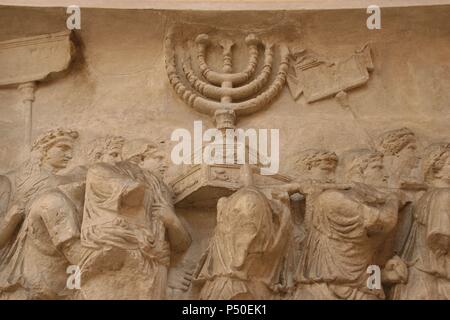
(395, 271)
(180, 279)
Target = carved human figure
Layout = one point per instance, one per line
(244, 257)
(129, 229)
(150, 157)
(399, 147)
(347, 228)
(314, 171)
(34, 176)
(33, 264)
(426, 251)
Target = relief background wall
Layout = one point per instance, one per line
(118, 84)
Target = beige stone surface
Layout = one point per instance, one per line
(87, 178)
(225, 4)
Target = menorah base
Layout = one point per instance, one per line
(225, 119)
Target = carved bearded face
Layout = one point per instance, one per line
(59, 155)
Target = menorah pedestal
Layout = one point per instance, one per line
(218, 172)
(225, 119)
(204, 184)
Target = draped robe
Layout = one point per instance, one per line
(127, 254)
(244, 257)
(32, 265)
(338, 249)
(428, 269)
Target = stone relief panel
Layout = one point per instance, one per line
(355, 220)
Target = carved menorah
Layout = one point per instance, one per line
(227, 94)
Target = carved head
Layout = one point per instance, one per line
(436, 164)
(316, 164)
(363, 165)
(397, 141)
(54, 148)
(106, 149)
(244, 223)
(146, 154)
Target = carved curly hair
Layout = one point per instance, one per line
(46, 140)
(355, 162)
(100, 146)
(393, 141)
(307, 159)
(433, 159)
(139, 147)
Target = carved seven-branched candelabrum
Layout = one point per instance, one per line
(227, 94)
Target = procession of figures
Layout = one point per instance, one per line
(367, 223)
(311, 238)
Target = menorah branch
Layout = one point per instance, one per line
(217, 78)
(226, 94)
(242, 92)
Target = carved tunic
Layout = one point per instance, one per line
(338, 249)
(31, 265)
(34, 267)
(127, 252)
(243, 260)
(426, 250)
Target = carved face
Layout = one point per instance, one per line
(409, 149)
(156, 162)
(59, 155)
(112, 155)
(136, 159)
(444, 173)
(323, 168)
(374, 173)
